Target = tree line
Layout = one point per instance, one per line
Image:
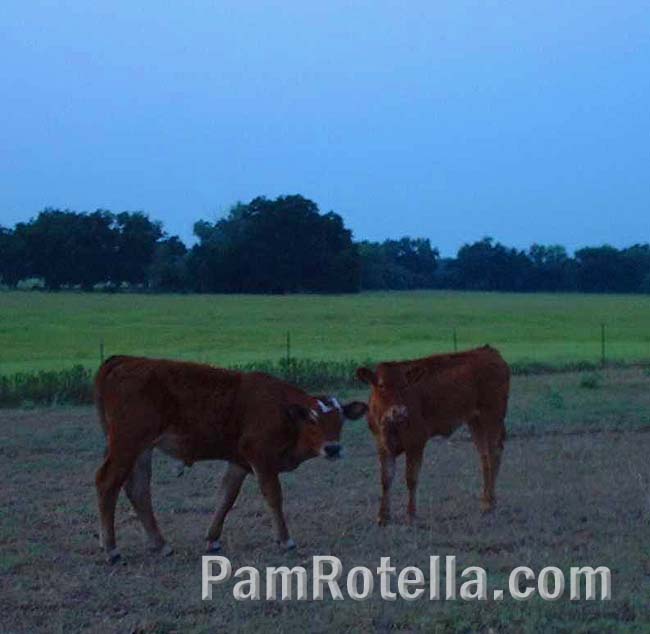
(287, 245)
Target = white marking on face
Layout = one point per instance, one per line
(396, 411)
(324, 407)
(313, 414)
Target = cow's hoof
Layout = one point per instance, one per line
(113, 556)
(487, 506)
(213, 547)
(411, 518)
(288, 545)
(383, 520)
(163, 551)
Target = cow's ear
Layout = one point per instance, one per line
(366, 375)
(354, 410)
(300, 414)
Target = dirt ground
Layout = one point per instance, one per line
(574, 490)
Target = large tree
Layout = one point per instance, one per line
(552, 269)
(136, 237)
(13, 257)
(275, 246)
(168, 268)
(599, 269)
(490, 266)
(398, 264)
(66, 247)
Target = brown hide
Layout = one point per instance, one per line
(411, 401)
(193, 412)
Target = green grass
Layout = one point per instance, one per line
(74, 386)
(47, 387)
(54, 331)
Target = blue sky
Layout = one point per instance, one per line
(447, 120)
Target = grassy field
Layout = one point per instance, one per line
(573, 491)
(54, 331)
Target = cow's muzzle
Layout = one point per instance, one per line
(394, 415)
(332, 451)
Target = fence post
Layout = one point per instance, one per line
(101, 351)
(288, 347)
(455, 341)
(603, 357)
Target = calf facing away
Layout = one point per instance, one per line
(257, 423)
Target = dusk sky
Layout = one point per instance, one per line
(528, 122)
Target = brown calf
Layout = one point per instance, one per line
(411, 401)
(195, 412)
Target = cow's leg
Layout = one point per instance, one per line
(272, 491)
(479, 437)
(496, 435)
(138, 490)
(109, 480)
(387, 466)
(413, 464)
(488, 437)
(231, 484)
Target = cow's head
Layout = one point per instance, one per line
(320, 425)
(390, 407)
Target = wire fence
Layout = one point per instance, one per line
(288, 358)
(74, 385)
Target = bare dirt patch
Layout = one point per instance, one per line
(564, 499)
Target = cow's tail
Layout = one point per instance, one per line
(100, 379)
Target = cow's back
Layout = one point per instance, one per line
(188, 409)
(455, 388)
